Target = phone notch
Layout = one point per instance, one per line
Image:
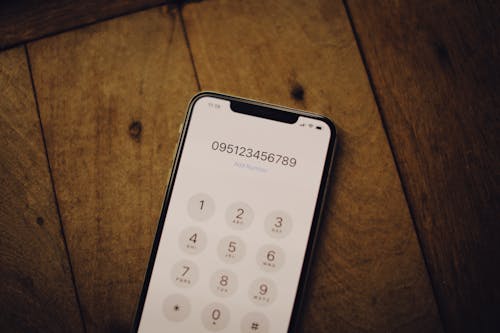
(263, 111)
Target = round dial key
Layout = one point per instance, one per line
(184, 273)
(215, 317)
(262, 291)
(270, 258)
(231, 249)
(223, 283)
(193, 240)
(239, 215)
(201, 207)
(278, 224)
(176, 307)
(254, 322)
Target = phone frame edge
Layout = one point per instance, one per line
(317, 216)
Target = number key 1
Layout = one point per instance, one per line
(201, 207)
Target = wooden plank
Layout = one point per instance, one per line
(112, 97)
(435, 68)
(369, 274)
(36, 292)
(25, 20)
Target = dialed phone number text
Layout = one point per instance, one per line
(248, 152)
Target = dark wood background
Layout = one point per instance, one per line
(91, 97)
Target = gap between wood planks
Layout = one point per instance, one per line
(186, 39)
(79, 24)
(66, 250)
(391, 146)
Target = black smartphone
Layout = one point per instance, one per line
(239, 219)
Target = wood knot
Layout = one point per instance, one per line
(135, 130)
(442, 53)
(39, 220)
(297, 92)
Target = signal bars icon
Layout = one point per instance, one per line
(310, 126)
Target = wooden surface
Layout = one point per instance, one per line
(368, 274)
(112, 97)
(393, 75)
(36, 293)
(25, 20)
(438, 88)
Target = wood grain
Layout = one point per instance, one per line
(368, 275)
(435, 67)
(36, 293)
(25, 20)
(112, 97)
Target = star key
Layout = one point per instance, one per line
(176, 307)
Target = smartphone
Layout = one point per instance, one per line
(239, 219)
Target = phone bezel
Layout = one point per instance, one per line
(306, 264)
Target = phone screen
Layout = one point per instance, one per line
(243, 198)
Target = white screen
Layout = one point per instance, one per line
(238, 223)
